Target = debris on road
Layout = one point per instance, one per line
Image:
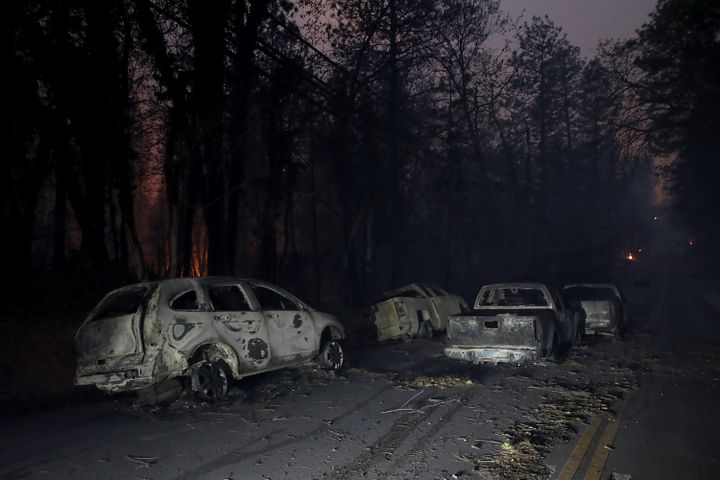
(143, 462)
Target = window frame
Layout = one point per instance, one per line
(299, 307)
(100, 311)
(185, 292)
(252, 307)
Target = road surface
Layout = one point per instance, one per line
(643, 407)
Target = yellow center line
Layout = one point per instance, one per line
(573, 463)
(602, 451)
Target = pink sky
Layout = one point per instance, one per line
(587, 21)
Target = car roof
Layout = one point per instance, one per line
(536, 285)
(176, 285)
(589, 285)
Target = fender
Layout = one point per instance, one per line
(216, 350)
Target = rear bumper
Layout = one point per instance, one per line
(120, 381)
(479, 355)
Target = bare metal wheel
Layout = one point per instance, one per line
(331, 355)
(211, 380)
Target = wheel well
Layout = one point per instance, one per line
(215, 351)
(547, 340)
(328, 334)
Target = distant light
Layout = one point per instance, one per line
(655, 218)
(639, 250)
(691, 242)
(630, 257)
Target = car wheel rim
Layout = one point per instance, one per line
(212, 381)
(334, 355)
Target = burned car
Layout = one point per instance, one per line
(513, 323)
(205, 330)
(603, 304)
(418, 309)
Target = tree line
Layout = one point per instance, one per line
(343, 147)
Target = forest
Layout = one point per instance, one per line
(344, 147)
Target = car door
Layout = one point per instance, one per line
(241, 326)
(445, 305)
(190, 323)
(291, 330)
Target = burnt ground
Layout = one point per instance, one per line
(400, 410)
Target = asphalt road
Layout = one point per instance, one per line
(670, 425)
(401, 410)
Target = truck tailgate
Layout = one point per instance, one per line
(502, 338)
(600, 315)
(505, 329)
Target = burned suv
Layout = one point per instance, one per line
(207, 330)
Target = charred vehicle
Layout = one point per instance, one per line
(416, 309)
(602, 303)
(207, 330)
(513, 323)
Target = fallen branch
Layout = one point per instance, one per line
(402, 407)
(145, 462)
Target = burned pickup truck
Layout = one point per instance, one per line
(206, 330)
(418, 309)
(513, 323)
(603, 304)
